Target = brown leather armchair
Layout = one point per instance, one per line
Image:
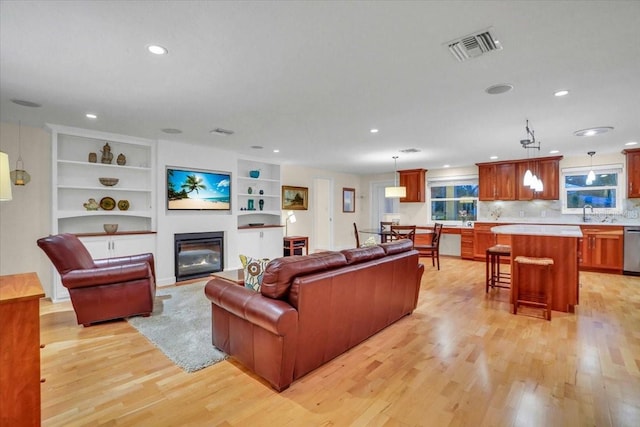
(102, 289)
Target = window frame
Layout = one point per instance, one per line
(451, 181)
(620, 188)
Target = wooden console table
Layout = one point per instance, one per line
(20, 355)
(292, 243)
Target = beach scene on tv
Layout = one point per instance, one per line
(197, 190)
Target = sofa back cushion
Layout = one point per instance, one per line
(397, 246)
(368, 253)
(280, 272)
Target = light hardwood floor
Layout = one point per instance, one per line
(461, 359)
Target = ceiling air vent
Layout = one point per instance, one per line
(220, 131)
(474, 45)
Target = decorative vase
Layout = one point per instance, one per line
(254, 173)
(107, 155)
(261, 191)
(261, 204)
(250, 190)
(93, 157)
(121, 160)
(250, 204)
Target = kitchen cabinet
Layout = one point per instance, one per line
(484, 238)
(633, 172)
(548, 170)
(601, 248)
(496, 181)
(466, 243)
(20, 343)
(414, 181)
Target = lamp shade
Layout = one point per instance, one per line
(5, 181)
(395, 192)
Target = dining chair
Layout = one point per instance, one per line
(403, 232)
(355, 231)
(385, 230)
(432, 250)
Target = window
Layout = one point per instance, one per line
(454, 200)
(604, 194)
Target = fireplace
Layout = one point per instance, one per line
(198, 254)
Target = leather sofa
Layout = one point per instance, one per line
(102, 289)
(313, 308)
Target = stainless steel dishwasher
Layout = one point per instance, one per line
(632, 251)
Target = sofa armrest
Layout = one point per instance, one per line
(125, 260)
(276, 316)
(106, 275)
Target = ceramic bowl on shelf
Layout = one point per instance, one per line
(110, 228)
(254, 173)
(109, 182)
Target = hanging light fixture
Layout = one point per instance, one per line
(591, 176)
(395, 191)
(530, 179)
(19, 176)
(5, 182)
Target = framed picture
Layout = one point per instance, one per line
(348, 200)
(295, 198)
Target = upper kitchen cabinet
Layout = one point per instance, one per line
(633, 172)
(548, 170)
(496, 181)
(414, 181)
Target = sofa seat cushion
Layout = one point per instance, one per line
(281, 271)
(362, 254)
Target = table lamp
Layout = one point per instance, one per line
(291, 218)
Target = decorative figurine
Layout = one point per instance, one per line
(107, 155)
(121, 160)
(91, 205)
(93, 157)
(261, 204)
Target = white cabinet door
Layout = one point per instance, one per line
(261, 243)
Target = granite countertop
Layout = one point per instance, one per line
(539, 230)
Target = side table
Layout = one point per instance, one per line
(293, 243)
(235, 276)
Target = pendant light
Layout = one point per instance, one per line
(19, 176)
(395, 191)
(591, 176)
(530, 179)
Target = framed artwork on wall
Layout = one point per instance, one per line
(348, 200)
(295, 198)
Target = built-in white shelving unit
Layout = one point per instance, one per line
(75, 180)
(259, 230)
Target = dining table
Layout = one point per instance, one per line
(386, 233)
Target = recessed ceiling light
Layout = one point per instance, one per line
(91, 116)
(593, 131)
(157, 50)
(631, 143)
(499, 89)
(374, 131)
(554, 151)
(562, 92)
(493, 157)
(26, 103)
(446, 166)
(276, 151)
(171, 130)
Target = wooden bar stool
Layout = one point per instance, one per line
(533, 283)
(494, 277)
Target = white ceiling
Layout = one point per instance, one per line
(311, 78)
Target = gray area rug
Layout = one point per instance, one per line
(180, 326)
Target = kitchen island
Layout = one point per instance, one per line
(558, 242)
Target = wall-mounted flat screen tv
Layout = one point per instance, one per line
(197, 189)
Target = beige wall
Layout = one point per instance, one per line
(27, 217)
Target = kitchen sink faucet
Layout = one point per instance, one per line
(584, 213)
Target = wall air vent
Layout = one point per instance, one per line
(474, 45)
(220, 131)
(410, 150)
